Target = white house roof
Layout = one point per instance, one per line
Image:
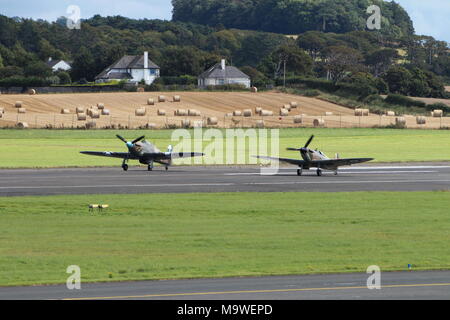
(216, 71)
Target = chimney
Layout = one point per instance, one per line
(146, 60)
(223, 64)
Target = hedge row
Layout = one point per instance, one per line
(24, 82)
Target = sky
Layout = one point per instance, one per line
(430, 17)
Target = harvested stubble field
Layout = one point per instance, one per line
(44, 111)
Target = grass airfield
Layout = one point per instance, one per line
(220, 235)
(60, 148)
(161, 236)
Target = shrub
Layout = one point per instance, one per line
(400, 100)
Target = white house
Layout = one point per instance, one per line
(221, 74)
(58, 65)
(131, 68)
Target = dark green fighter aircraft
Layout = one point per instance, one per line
(145, 153)
(316, 159)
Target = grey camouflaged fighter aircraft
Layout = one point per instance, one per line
(316, 159)
(145, 152)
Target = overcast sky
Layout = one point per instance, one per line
(431, 17)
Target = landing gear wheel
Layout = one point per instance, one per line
(299, 172)
(319, 172)
(167, 168)
(150, 168)
(125, 167)
(336, 173)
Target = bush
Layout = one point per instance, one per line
(24, 82)
(400, 100)
(438, 106)
(311, 93)
(228, 87)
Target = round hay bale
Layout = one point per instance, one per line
(185, 123)
(298, 119)
(151, 102)
(151, 126)
(258, 110)
(319, 123)
(18, 104)
(212, 121)
(162, 99)
(437, 113)
(194, 113)
(106, 112)
(390, 113)
(400, 122)
(2, 110)
(32, 92)
(161, 112)
(79, 110)
(140, 112)
(95, 114)
(100, 106)
(266, 113)
(294, 104)
(140, 89)
(328, 113)
(230, 114)
(181, 112)
(91, 125)
(284, 112)
(358, 112)
(176, 99)
(81, 116)
(260, 124)
(287, 107)
(254, 89)
(421, 120)
(198, 124)
(22, 125)
(1, 115)
(365, 112)
(247, 113)
(65, 111)
(237, 113)
(21, 110)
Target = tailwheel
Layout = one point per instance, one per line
(319, 172)
(125, 167)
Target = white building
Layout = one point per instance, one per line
(221, 74)
(131, 68)
(58, 65)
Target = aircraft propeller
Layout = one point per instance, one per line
(132, 143)
(305, 148)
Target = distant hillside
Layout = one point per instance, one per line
(293, 16)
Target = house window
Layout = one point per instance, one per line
(221, 81)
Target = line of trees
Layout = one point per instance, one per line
(293, 17)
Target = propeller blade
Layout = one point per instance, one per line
(121, 138)
(138, 139)
(293, 149)
(309, 141)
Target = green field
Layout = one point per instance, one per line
(60, 148)
(158, 236)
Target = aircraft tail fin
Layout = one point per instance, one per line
(170, 149)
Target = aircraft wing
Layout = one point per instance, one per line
(120, 155)
(178, 155)
(322, 163)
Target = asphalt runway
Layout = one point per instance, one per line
(394, 285)
(393, 177)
